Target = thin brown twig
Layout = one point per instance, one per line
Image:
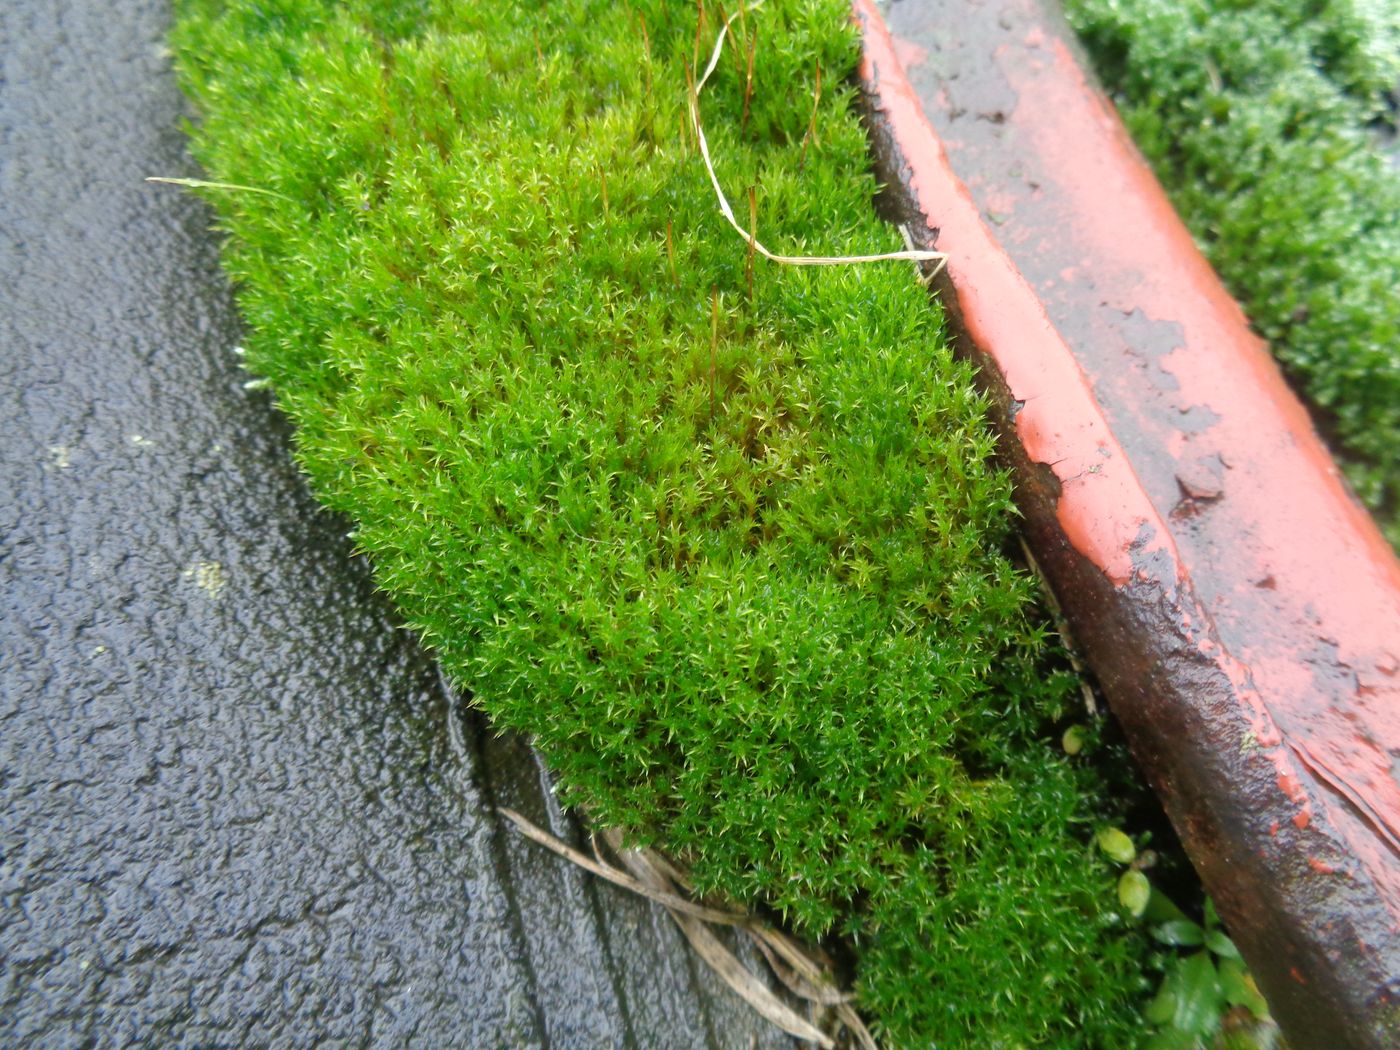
(699, 28)
(646, 45)
(724, 20)
(687, 127)
(748, 82)
(714, 345)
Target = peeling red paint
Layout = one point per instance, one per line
(910, 53)
(1292, 788)
(1353, 583)
(1266, 603)
(1102, 508)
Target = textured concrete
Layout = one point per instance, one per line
(236, 804)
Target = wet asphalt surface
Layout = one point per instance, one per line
(237, 806)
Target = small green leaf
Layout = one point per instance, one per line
(1239, 989)
(1117, 846)
(1073, 740)
(1221, 945)
(1212, 916)
(1162, 1008)
(1198, 996)
(1182, 933)
(1232, 982)
(1133, 892)
(1162, 908)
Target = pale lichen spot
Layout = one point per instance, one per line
(208, 576)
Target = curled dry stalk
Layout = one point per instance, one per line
(750, 236)
(648, 874)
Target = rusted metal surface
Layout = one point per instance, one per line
(1239, 607)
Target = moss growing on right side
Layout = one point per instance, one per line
(1257, 118)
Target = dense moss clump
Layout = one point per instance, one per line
(727, 550)
(1255, 116)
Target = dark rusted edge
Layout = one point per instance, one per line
(1307, 914)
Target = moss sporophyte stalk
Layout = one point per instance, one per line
(722, 536)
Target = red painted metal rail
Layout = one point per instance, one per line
(1240, 609)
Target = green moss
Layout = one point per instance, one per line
(1255, 116)
(737, 574)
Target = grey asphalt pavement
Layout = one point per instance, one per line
(237, 805)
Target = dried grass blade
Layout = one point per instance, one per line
(619, 878)
(715, 955)
(205, 184)
(814, 982)
(847, 1013)
(1052, 603)
(745, 984)
(821, 994)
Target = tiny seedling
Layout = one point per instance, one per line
(1207, 999)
